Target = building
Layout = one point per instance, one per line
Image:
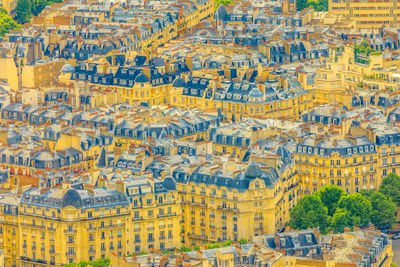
(367, 15)
(350, 163)
(309, 248)
(155, 212)
(69, 225)
(233, 203)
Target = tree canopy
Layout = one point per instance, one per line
(318, 5)
(23, 11)
(27, 8)
(222, 2)
(390, 187)
(333, 209)
(358, 206)
(330, 196)
(382, 209)
(98, 263)
(7, 23)
(309, 212)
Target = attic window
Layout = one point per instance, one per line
(308, 238)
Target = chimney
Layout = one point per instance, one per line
(163, 261)
(147, 72)
(317, 235)
(120, 187)
(44, 190)
(189, 63)
(277, 240)
(178, 262)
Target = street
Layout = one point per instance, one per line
(396, 251)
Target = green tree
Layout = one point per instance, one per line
(359, 207)
(227, 243)
(102, 262)
(309, 212)
(242, 241)
(23, 11)
(222, 2)
(330, 196)
(383, 212)
(37, 6)
(185, 249)
(319, 5)
(301, 4)
(390, 187)
(341, 219)
(7, 23)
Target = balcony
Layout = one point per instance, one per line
(33, 226)
(136, 230)
(150, 228)
(70, 254)
(228, 208)
(150, 240)
(52, 251)
(91, 229)
(166, 215)
(202, 237)
(92, 251)
(70, 231)
(113, 226)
